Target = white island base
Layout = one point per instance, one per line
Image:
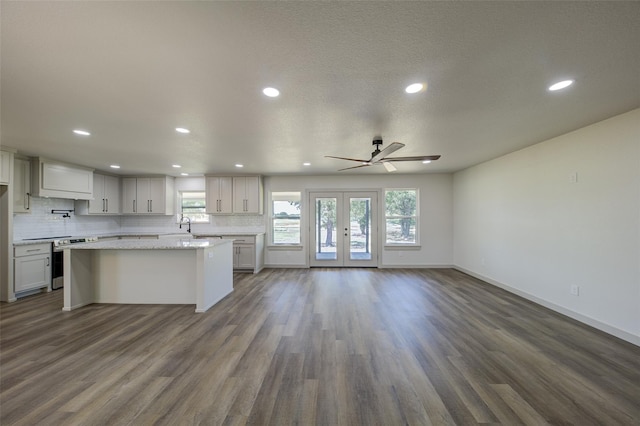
(170, 271)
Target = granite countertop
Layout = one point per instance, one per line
(38, 241)
(161, 244)
(225, 234)
(134, 234)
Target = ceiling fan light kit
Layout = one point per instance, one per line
(381, 156)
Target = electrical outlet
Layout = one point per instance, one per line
(575, 290)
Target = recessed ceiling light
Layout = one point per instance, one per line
(114, 166)
(239, 165)
(414, 88)
(81, 132)
(560, 85)
(182, 130)
(177, 166)
(184, 174)
(306, 164)
(426, 161)
(271, 92)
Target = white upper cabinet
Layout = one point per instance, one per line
(148, 195)
(219, 194)
(129, 195)
(21, 185)
(247, 194)
(59, 180)
(106, 196)
(5, 167)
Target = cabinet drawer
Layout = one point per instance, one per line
(31, 249)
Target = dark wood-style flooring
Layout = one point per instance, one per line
(316, 346)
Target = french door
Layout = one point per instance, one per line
(344, 229)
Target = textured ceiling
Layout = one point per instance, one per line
(130, 72)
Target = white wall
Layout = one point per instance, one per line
(521, 222)
(436, 211)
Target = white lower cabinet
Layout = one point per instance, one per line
(32, 267)
(248, 251)
(244, 256)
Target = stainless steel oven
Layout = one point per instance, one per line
(57, 266)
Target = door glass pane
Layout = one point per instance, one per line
(326, 229)
(360, 229)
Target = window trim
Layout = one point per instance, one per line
(180, 207)
(398, 246)
(271, 231)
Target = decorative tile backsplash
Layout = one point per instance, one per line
(249, 223)
(42, 223)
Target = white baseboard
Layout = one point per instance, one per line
(607, 328)
(416, 266)
(281, 266)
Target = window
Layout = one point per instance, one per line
(285, 217)
(192, 205)
(401, 216)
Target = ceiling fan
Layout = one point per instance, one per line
(380, 157)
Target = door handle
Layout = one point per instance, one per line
(48, 263)
(150, 206)
(28, 201)
(134, 206)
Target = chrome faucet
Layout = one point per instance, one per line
(185, 219)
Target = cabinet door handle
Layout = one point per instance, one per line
(27, 201)
(30, 250)
(48, 263)
(134, 206)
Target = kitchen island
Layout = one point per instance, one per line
(165, 271)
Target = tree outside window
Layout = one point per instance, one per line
(401, 216)
(285, 219)
(193, 206)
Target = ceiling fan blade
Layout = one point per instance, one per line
(345, 158)
(390, 167)
(388, 150)
(355, 167)
(416, 158)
